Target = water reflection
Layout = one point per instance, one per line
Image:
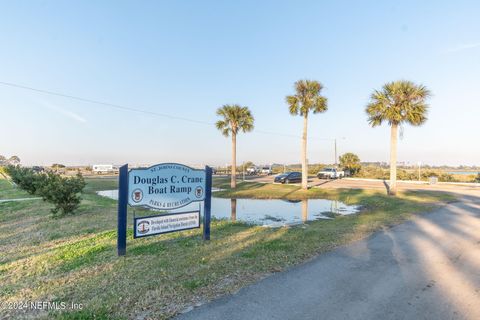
(112, 194)
(272, 213)
(233, 208)
(304, 210)
(276, 213)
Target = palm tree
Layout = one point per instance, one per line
(397, 103)
(235, 119)
(307, 98)
(351, 162)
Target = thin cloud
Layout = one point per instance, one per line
(64, 112)
(464, 47)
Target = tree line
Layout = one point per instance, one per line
(396, 103)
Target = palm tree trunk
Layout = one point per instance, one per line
(233, 205)
(393, 160)
(304, 154)
(304, 210)
(233, 179)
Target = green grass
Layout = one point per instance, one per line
(100, 183)
(73, 259)
(86, 315)
(375, 199)
(7, 191)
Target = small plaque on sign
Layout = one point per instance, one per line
(165, 223)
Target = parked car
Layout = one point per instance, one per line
(266, 170)
(330, 173)
(288, 177)
(251, 171)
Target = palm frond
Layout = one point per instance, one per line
(235, 118)
(319, 104)
(307, 98)
(223, 126)
(293, 104)
(398, 102)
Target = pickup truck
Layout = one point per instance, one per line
(330, 173)
(251, 171)
(266, 170)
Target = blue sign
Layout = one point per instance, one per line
(164, 186)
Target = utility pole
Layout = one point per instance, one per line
(336, 153)
(419, 165)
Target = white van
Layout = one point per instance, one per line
(104, 168)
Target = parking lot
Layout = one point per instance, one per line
(354, 183)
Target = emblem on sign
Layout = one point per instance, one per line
(137, 195)
(143, 227)
(199, 192)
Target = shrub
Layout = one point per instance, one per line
(405, 175)
(314, 168)
(62, 192)
(372, 172)
(446, 177)
(477, 179)
(53, 188)
(25, 178)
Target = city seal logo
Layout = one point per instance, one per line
(143, 227)
(137, 195)
(198, 192)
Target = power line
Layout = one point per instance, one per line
(133, 109)
(117, 106)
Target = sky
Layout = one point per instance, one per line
(187, 58)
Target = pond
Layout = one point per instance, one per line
(464, 172)
(269, 213)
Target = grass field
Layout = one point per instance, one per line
(8, 192)
(73, 259)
